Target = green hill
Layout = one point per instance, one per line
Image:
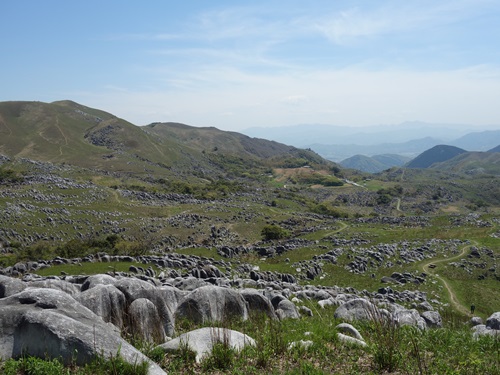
(472, 163)
(436, 154)
(363, 163)
(67, 132)
(495, 149)
(374, 164)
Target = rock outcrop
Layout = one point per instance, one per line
(45, 322)
(201, 341)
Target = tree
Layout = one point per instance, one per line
(273, 232)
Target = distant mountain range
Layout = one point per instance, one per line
(374, 164)
(408, 139)
(457, 160)
(441, 157)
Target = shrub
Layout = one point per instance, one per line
(273, 232)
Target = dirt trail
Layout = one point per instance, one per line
(398, 205)
(344, 226)
(453, 298)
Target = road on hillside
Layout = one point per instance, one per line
(453, 298)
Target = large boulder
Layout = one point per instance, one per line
(483, 330)
(432, 319)
(58, 284)
(133, 288)
(493, 322)
(10, 286)
(357, 309)
(287, 310)
(258, 303)
(201, 341)
(105, 301)
(145, 322)
(212, 303)
(100, 279)
(404, 317)
(45, 323)
(165, 299)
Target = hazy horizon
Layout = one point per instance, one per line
(241, 65)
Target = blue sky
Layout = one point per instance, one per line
(239, 64)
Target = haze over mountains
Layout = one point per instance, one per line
(408, 139)
(66, 131)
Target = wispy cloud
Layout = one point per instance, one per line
(244, 66)
(347, 25)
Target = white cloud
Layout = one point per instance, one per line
(344, 97)
(294, 100)
(393, 17)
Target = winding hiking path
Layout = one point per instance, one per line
(344, 226)
(453, 298)
(398, 205)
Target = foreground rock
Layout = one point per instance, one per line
(45, 322)
(201, 341)
(212, 304)
(491, 328)
(350, 335)
(362, 309)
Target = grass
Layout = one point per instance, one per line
(391, 349)
(52, 366)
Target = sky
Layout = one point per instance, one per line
(241, 64)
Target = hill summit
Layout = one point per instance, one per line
(436, 154)
(68, 132)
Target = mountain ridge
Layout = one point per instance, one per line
(68, 132)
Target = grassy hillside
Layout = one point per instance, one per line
(67, 132)
(123, 189)
(473, 163)
(434, 155)
(374, 164)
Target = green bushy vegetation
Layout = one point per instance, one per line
(9, 176)
(273, 232)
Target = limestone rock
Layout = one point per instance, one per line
(350, 340)
(61, 285)
(10, 286)
(45, 322)
(432, 319)
(94, 280)
(300, 344)
(475, 321)
(481, 330)
(357, 309)
(164, 298)
(202, 340)
(258, 303)
(349, 329)
(404, 317)
(212, 303)
(493, 321)
(105, 301)
(287, 310)
(145, 321)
